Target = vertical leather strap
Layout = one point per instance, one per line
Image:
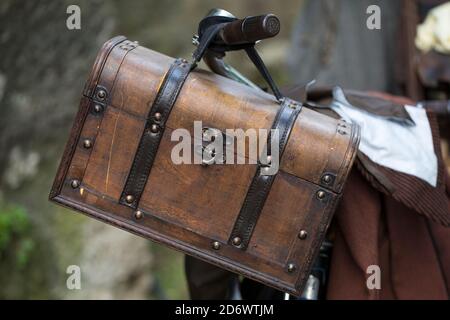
(153, 132)
(261, 183)
(259, 64)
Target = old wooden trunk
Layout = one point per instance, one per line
(195, 208)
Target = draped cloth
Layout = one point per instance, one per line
(403, 231)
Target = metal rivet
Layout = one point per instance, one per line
(326, 178)
(101, 94)
(154, 128)
(87, 143)
(75, 183)
(237, 241)
(98, 108)
(158, 116)
(129, 198)
(265, 170)
(216, 245)
(320, 194)
(302, 234)
(291, 267)
(138, 214)
(269, 160)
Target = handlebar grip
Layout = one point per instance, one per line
(250, 29)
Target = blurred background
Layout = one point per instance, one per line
(43, 67)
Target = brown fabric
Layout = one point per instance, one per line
(404, 233)
(374, 229)
(399, 100)
(380, 106)
(416, 194)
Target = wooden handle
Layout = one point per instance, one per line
(251, 29)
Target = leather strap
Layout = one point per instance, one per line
(153, 132)
(259, 64)
(261, 184)
(209, 30)
(207, 37)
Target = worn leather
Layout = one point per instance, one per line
(148, 146)
(261, 184)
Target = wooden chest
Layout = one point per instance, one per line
(207, 211)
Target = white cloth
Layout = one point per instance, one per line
(404, 148)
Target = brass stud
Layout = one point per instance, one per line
(237, 241)
(302, 235)
(320, 194)
(129, 198)
(154, 128)
(291, 267)
(75, 183)
(101, 94)
(158, 116)
(98, 108)
(87, 143)
(326, 178)
(138, 214)
(216, 245)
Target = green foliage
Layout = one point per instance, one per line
(14, 229)
(168, 269)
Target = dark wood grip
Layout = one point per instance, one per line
(251, 29)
